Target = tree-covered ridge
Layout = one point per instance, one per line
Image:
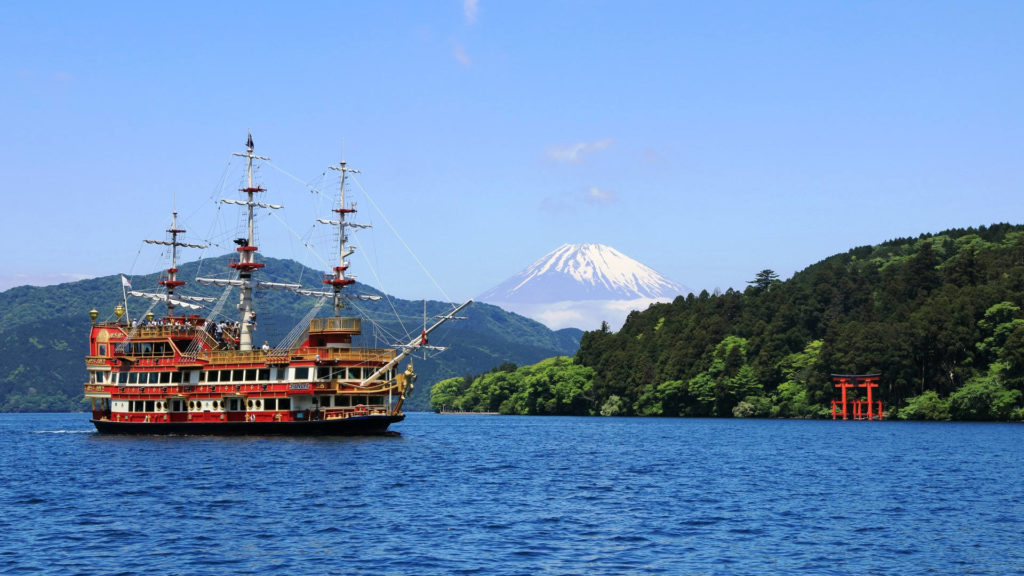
(44, 331)
(553, 386)
(939, 316)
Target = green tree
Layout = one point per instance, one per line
(983, 398)
(727, 381)
(764, 280)
(797, 395)
(613, 407)
(927, 406)
(447, 394)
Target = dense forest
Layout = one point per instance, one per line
(940, 317)
(44, 332)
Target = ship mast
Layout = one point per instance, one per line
(339, 280)
(247, 264)
(172, 281)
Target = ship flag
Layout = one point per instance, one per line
(125, 283)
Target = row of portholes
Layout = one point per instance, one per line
(198, 405)
(257, 404)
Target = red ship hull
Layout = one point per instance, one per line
(353, 426)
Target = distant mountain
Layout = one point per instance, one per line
(581, 285)
(44, 332)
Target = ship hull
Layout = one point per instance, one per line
(374, 425)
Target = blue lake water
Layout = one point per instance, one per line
(517, 495)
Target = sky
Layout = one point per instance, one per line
(707, 140)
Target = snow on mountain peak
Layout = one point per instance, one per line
(583, 272)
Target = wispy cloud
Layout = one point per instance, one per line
(595, 195)
(573, 202)
(469, 8)
(461, 56)
(575, 153)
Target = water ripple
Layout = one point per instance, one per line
(505, 495)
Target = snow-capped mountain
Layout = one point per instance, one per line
(580, 285)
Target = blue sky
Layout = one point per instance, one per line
(707, 140)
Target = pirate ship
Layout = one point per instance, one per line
(195, 373)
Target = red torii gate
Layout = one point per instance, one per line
(862, 409)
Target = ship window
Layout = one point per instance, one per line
(103, 349)
(150, 405)
(249, 403)
(259, 404)
(302, 373)
(271, 404)
(212, 376)
(323, 373)
(165, 377)
(264, 374)
(284, 404)
(236, 375)
(250, 375)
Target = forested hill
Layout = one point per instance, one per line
(44, 332)
(938, 316)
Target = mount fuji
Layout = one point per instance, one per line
(581, 285)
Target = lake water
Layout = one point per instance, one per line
(517, 495)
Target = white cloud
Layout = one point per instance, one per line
(575, 153)
(582, 314)
(469, 8)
